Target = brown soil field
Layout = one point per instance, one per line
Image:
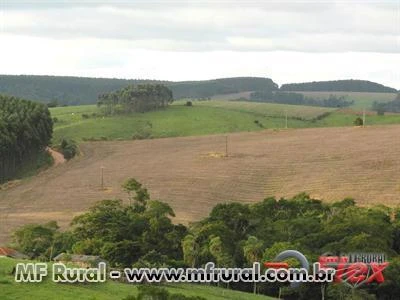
(192, 174)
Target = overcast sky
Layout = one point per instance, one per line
(288, 41)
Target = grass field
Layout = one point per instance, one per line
(47, 290)
(204, 117)
(192, 174)
(208, 117)
(361, 100)
(268, 109)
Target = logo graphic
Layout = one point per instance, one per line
(354, 269)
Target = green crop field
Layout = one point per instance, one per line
(204, 117)
(9, 289)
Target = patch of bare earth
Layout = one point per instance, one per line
(192, 174)
(58, 157)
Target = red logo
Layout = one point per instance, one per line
(355, 273)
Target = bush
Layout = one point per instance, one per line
(358, 122)
(68, 148)
(55, 120)
(189, 103)
(258, 123)
(143, 131)
(85, 116)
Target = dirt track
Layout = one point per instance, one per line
(332, 163)
(58, 158)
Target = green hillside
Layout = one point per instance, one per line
(11, 290)
(82, 90)
(204, 117)
(339, 85)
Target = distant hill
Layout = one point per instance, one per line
(83, 90)
(66, 90)
(209, 88)
(339, 85)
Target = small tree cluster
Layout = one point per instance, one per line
(136, 98)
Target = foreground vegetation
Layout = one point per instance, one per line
(141, 234)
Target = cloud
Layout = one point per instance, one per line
(259, 26)
(192, 40)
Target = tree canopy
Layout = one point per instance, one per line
(339, 85)
(136, 98)
(25, 130)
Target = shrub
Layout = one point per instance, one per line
(85, 116)
(358, 122)
(68, 148)
(189, 103)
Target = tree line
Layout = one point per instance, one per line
(339, 85)
(391, 106)
(25, 130)
(299, 99)
(142, 234)
(63, 90)
(136, 98)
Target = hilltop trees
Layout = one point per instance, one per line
(339, 85)
(139, 98)
(25, 130)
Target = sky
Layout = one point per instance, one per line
(288, 41)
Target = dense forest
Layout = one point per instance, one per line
(81, 90)
(299, 99)
(61, 89)
(142, 234)
(339, 85)
(25, 130)
(136, 98)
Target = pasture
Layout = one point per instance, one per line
(86, 123)
(204, 117)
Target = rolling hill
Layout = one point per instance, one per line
(339, 86)
(82, 90)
